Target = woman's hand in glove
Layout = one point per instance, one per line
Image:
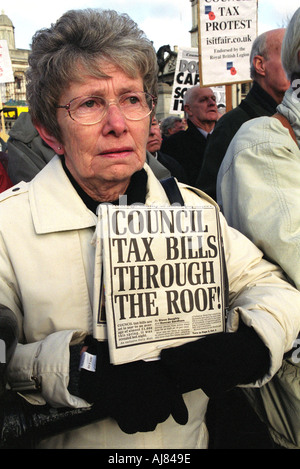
(138, 395)
(217, 362)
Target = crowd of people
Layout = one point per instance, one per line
(91, 138)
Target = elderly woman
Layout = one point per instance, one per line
(91, 92)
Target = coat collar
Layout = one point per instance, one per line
(55, 204)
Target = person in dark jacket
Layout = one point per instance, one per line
(27, 152)
(154, 145)
(187, 146)
(171, 125)
(5, 182)
(269, 85)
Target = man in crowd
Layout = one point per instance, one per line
(187, 146)
(154, 145)
(269, 85)
(171, 125)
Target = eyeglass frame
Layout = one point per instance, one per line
(107, 104)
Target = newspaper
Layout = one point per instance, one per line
(160, 278)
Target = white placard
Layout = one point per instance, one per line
(6, 71)
(227, 31)
(186, 76)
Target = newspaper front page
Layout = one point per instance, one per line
(160, 278)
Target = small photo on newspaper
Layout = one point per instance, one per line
(161, 278)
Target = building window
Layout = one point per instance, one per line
(18, 83)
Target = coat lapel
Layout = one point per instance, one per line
(59, 209)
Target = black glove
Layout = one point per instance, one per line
(84, 383)
(218, 362)
(138, 395)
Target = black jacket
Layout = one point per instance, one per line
(173, 166)
(187, 147)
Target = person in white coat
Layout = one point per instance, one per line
(258, 191)
(258, 186)
(91, 89)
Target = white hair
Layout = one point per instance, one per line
(290, 51)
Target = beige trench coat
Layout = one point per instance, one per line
(46, 277)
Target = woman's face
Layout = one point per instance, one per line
(103, 155)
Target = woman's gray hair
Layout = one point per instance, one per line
(290, 51)
(168, 123)
(84, 40)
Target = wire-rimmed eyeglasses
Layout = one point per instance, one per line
(89, 110)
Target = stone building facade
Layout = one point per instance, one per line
(19, 58)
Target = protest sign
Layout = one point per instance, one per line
(227, 31)
(186, 76)
(162, 272)
(6, 72)
(6, 76)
